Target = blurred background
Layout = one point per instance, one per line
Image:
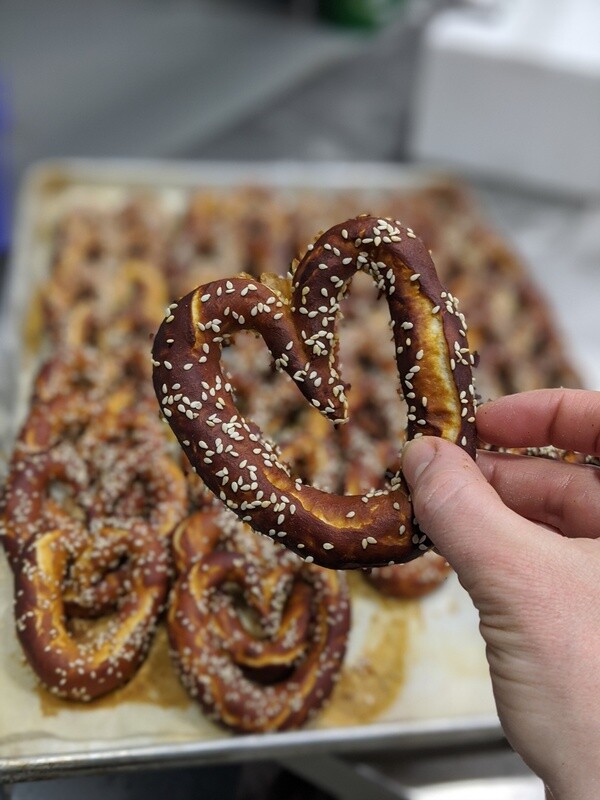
(506, 92)
(502, 88)
(502, 93)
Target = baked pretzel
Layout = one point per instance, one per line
(258, 636)
(108, 312)
(85, 455)
(409, 581)
(79, 389)
(298, 323)
(370, 452)
(82, 666)
(87, 508)
(28, 505)
(366, 468)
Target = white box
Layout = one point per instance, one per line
(511, 89)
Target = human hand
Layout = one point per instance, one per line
(525, 544)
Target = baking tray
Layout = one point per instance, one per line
(23, 758)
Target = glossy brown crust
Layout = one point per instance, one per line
(298, 320)
(262, 656)
(413, 580)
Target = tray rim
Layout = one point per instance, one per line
(181, 174)
(405, 736)
(187, 172)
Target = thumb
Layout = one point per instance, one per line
(458, 509)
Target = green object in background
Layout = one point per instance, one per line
(359, 13)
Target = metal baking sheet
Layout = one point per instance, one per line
(42, 755)
(459, 731)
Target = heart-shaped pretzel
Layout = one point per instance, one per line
(297, 320)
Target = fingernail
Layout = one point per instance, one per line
(417, 454)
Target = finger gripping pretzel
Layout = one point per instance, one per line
(298, 320)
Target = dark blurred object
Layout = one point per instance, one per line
(268, 781)
(360, 13)
(217, 782)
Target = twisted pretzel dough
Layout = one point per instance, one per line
(258, 636)
(82, 668)
(90, 499)
(298, 324)
(85, 454)
(370, 453)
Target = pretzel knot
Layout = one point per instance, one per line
(258, 638)
(298, 321)
(96, 661)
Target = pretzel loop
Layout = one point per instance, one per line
(298, 322)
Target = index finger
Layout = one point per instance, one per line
(566, 418)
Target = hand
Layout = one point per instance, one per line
(525, 544)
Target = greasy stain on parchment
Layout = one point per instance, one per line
(371, 683)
